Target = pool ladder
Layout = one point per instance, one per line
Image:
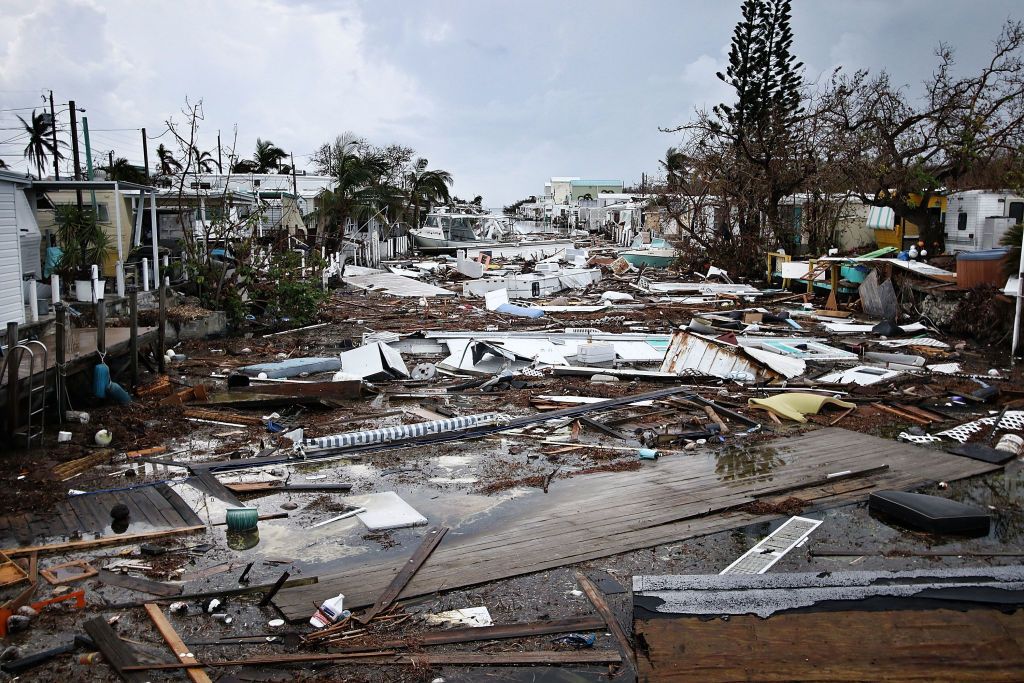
(36, 399)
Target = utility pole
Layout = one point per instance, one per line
(53, 129)
(220, 163)
(145, 155)
(110, 162)
(88, 165)
(295, 187)
(74, 150)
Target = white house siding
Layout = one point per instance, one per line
(11, 308)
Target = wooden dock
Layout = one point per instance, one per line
(674, 498)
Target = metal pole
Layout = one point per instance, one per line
(220, 162)
(13, 360)
(133, 340)
(53, 129)
(145, 153)
(74, 150)
(118, 204)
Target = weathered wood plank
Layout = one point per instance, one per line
(604, 514)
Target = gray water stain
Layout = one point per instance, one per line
(757, 463)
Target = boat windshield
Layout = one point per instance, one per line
(462, 229)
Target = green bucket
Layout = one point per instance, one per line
(242, 519)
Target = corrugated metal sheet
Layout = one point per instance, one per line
(12, 308)
(689, 352)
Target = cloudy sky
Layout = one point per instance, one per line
(501, 94)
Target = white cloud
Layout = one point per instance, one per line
(704, 88)
(435, 31)
(297, 74)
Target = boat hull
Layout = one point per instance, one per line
(650, 258)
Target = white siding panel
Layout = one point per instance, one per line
(11, 307)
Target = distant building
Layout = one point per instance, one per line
(591, 189)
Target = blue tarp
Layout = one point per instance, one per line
(292, 367)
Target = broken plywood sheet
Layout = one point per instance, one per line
(878, 299)
(625, 511)
(388, 511)
(395, 285)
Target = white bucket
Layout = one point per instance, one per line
(1011, 443)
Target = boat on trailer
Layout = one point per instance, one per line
(447, 232)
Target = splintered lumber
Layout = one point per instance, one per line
(66, 470)
(394, 589)
(226, 593)
(159, 387)
(174, 641)
(146, 452)
(222, 416)
(101, 542)
(710, 412)
(115, 651)
(135, 583)
(197, 393)
(601, 605)
(534, 657)
(474, 634)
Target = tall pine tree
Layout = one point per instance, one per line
(766, 79)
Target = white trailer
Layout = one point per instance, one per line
(977, 219)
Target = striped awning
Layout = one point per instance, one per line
(881, 218)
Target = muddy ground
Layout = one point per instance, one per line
(464, 484)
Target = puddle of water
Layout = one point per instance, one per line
(757, 463)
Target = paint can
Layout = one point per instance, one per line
(330, 612)
(63, 437)
(1010, 443)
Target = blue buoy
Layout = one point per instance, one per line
(100, 380)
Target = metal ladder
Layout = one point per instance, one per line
(36, 394)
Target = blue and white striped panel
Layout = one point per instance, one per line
(420, 429)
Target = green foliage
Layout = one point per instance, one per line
(288, 294)
(83, 240)
(1012, 239)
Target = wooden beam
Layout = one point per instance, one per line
(115, 651)
(174, 641)
(535, 657)
(122, 539)
(601, 605)
(402, 578)
(135, 583)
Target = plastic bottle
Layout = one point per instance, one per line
(330, 611)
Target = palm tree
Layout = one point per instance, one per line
(268, 156)
(167, 164)
(40, 141)
(121, 169)
(205, 163)
(360, 191)
(3, 164)
(244, 166)
(427, 188)
(675, 164)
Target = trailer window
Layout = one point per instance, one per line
(961, 221)
(1017, 212)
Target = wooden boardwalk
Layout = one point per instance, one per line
(81, 349)
(153, 507)
(675, 498)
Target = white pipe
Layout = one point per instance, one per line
(119, 272)
(55, 288)
(145, 274)
(33, 302)
(1020, 300)
(153, 232)
(95, 283)
(118, 205)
